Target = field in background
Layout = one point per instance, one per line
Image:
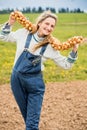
(68, 25)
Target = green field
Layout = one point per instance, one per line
(68, 25)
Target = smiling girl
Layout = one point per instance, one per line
(32, 50)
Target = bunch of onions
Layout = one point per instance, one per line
(18, 16)
(66, 45)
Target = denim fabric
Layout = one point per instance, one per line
(28, 91)
(28, 87)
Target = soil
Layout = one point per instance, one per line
(64, 107)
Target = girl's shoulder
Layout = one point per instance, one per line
(23, 31)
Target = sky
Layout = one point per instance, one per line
(57, 4)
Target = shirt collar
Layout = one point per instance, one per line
(37, 38)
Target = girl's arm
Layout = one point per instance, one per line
(66, 62)
(6, 34)
(62, 61)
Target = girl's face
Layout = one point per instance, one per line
(46, 27)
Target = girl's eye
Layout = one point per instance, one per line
(47, 23)
(52, 26)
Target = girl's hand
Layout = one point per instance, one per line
(11, 20)
(75, 47)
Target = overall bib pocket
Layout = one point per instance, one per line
(28, 63)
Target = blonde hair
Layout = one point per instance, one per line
(45, 15)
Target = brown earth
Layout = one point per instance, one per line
(64, 107)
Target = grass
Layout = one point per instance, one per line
(68, 25)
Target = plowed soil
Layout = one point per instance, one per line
(64, 107)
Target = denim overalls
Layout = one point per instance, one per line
(28, 86)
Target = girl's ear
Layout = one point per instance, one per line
(39, 24)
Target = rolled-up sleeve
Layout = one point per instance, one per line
(72, 57)
(6, 29)
(6, 34)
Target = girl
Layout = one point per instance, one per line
(33, 48)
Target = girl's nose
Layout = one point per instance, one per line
(49, 28)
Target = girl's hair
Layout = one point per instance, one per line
(45, 15)
(49, 39)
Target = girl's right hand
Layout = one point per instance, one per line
(11, 20)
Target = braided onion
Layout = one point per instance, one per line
(18, 16)
(68, 44)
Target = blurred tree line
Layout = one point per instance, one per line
(40, 10)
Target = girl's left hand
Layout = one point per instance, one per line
(75, 47)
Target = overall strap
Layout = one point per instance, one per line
(43, 49)
(28, 40)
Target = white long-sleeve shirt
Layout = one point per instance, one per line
(19, 37)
